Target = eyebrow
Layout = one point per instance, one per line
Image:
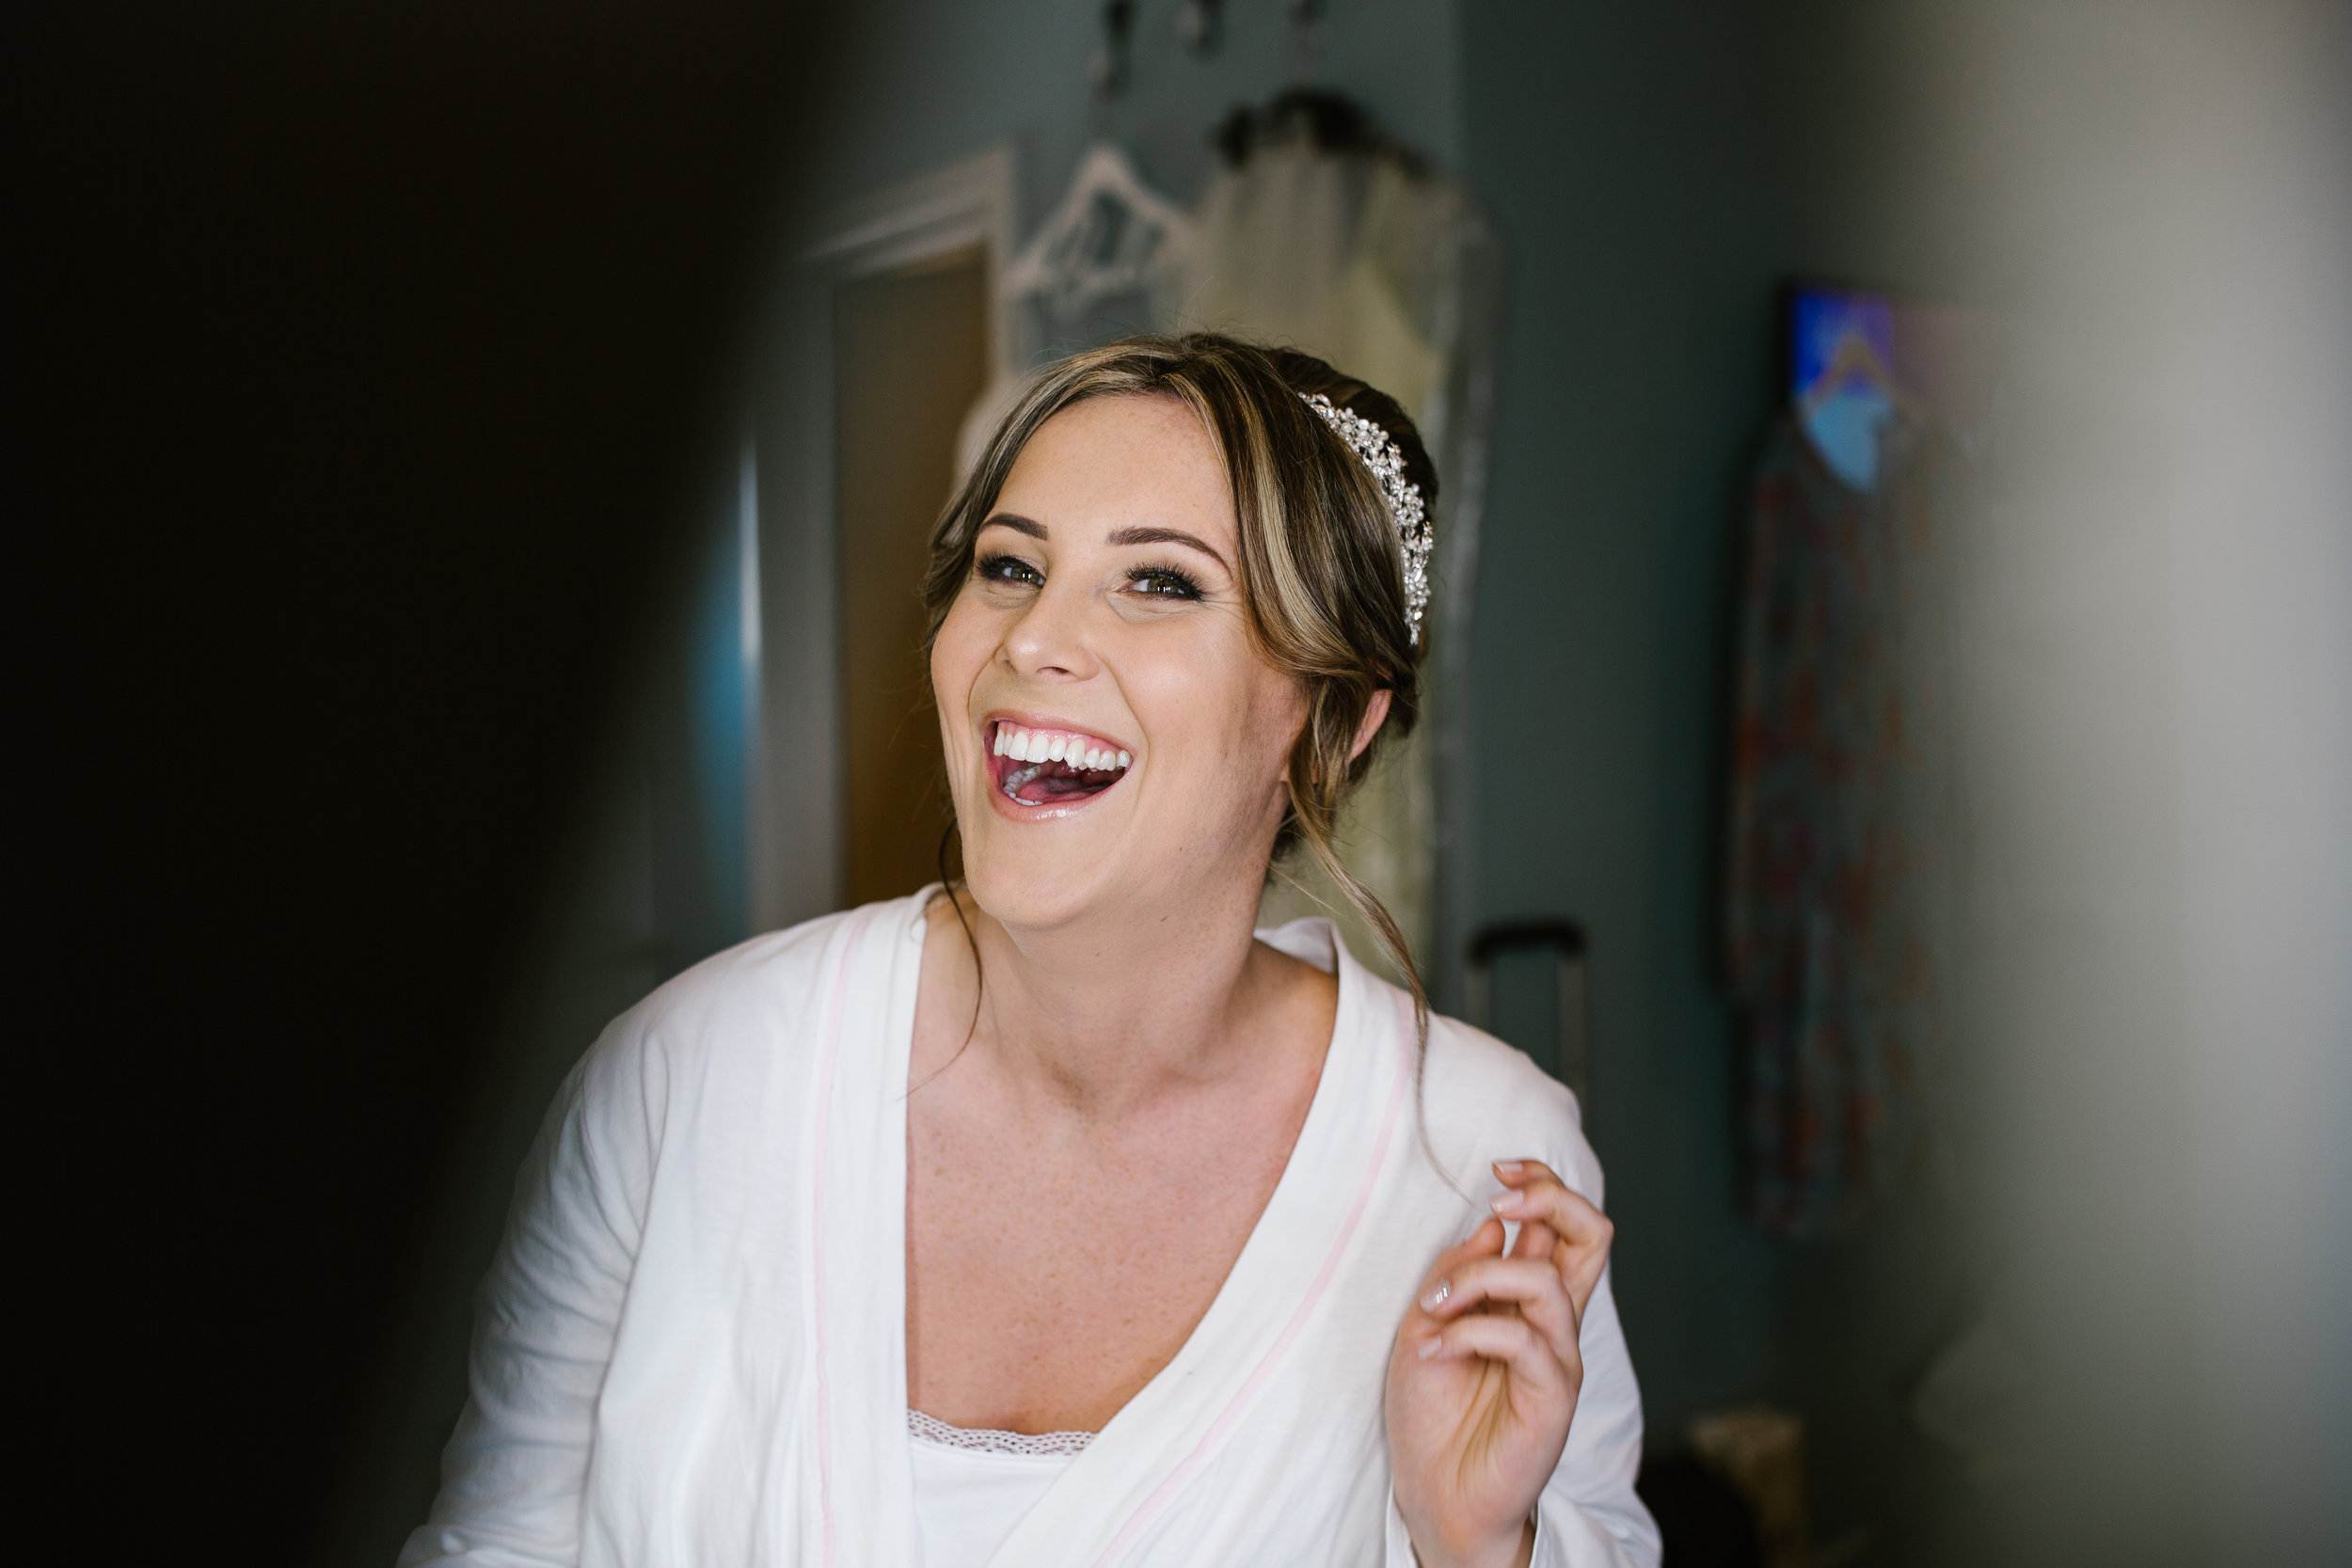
(1165, 536)
(1123, 536)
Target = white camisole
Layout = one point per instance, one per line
(972, 1487)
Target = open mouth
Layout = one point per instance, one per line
(1053, 767)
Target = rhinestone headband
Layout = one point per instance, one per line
(1414, 535)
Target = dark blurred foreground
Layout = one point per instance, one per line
(370, 345)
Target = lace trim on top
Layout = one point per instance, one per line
(986, 1440)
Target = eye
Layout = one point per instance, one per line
(1008, 568)
(1162, 582)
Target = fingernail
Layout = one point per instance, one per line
(1508, 1169)
(1505, 1201)
(1438, 1295)
(1430, 1347)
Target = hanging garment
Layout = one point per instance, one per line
(1110, 237)
(1841, 828)
(1359, 254)
(691, 1348)
(1349, 256)
(1109, 234)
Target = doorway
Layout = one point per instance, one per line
(911, 359)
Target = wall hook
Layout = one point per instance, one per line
(1200, 26)
(1108, 68)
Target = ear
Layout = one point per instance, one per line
(1375, 714)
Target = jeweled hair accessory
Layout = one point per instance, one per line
(1386, 459)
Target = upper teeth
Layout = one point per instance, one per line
(1079, 750)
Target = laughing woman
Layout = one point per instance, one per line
(1061, 1220)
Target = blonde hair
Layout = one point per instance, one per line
(1320, 573)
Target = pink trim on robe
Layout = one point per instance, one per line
(840, 1004)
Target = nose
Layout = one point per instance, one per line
(1048, 642)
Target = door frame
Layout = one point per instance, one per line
(800, 815)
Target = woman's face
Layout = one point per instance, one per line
(1114, 738)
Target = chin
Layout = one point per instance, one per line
(1041, 892)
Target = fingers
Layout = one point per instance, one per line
(1512, 1342)
(1531, 1284)
(1537, 1241)
(1437, 1287)
(1557, 1223)
(1484, 1241)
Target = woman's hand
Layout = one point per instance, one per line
(1483, 1379)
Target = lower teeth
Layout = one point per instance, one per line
(1020, 776)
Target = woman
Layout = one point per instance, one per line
(1061, 1219)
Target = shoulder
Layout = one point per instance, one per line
(1484, 1101)
(788, 968)
(755, 1005)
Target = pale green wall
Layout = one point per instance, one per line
(1657, 172)
(1624, 153)
(923, 82)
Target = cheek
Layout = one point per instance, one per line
(1230, 718)
(958, 655)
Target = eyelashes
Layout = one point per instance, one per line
(1007, 568)
(1152, 583)
(1165, 582)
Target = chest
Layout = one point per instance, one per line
(1051, 1273)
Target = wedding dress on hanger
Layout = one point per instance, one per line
(1319, 235)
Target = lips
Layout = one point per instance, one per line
(1047, 767)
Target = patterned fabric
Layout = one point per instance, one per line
(930, 1428)
(1841, 830)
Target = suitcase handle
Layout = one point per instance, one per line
(1570, 1062)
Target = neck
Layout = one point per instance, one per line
(1103, 1015)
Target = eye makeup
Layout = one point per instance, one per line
(1164, 582)
(1007, 568)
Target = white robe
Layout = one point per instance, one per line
(691, 1347)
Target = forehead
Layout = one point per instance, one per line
(1122, 461)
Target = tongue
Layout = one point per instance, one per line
(1059, 781)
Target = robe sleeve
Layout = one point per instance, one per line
(514, 1475)
(1588, 1515)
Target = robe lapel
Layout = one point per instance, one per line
(854, 1461)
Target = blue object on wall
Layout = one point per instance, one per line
(1841, 354)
